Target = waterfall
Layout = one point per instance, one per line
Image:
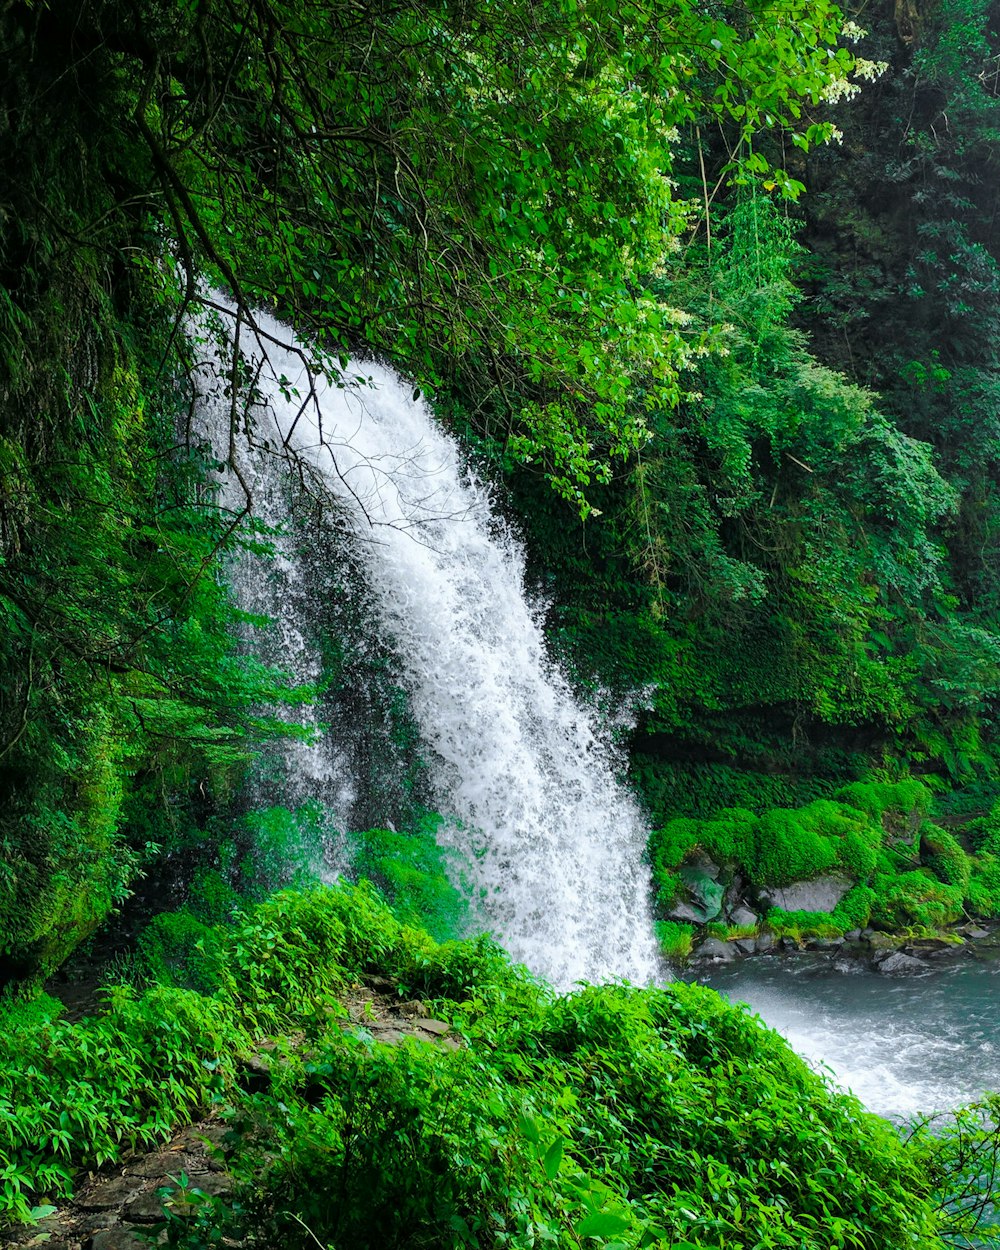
(522, 770)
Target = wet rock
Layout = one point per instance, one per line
(825, 944)
(686, 913)
(706, 892)
(882, 944)
(701, 862)
(765, 943)
(852, 935)
(437, 1027)
(847, 965)
(743, 917)
(746, 946)
(117, 1239)
(899, 965)
(819, 894)
(974, 931)
(715, 951)
(108, 1194)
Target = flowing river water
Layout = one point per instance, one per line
(903, 1045)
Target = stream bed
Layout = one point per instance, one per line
(902, 1045)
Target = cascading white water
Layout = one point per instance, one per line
(553, 841)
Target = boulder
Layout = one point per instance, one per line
(705, 889)
(819, 894)
(686, 913)
(746, 946)
(765, 942)
(715, 951)
(899, 965)
(743, 917)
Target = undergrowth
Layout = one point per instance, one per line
(611, 1116)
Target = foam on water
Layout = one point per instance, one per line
(904, 1046)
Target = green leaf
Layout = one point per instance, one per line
(529, 1128)
(603, 1224)
(553, 1158)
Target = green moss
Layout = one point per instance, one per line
(914, 898)
(789, 849)
(983, 895)
(854, 909)
(941, 852)
(902, 802)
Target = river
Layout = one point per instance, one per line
(902, 1045)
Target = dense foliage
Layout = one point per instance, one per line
(611, 1116)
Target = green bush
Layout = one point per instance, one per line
(610, 1116)
(178, 949)
(941, 852)
(560, 1120)
(675, 939)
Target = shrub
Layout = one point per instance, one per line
(676, 940)
(940, 851)
(178, 949)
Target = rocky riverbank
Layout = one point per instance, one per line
(728, 919)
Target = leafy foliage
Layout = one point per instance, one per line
(611, 1115)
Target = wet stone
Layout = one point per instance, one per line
(108, 1194)
(716, 951)
(117, 1239)
(434, 1026)
(743, 916)
(899, 965)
